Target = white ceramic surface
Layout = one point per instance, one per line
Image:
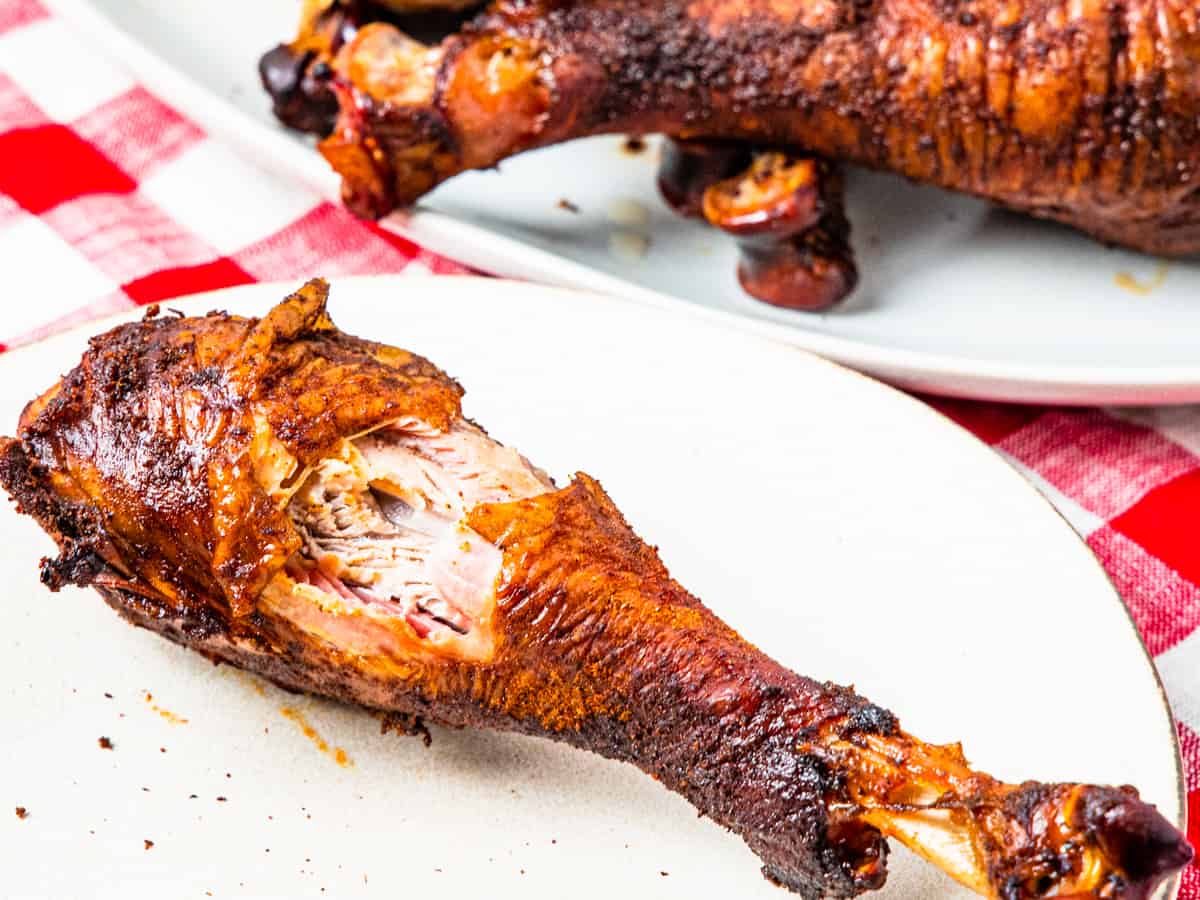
(849, 530)
(956, 298)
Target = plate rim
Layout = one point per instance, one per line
(934, 421)
(945, 374)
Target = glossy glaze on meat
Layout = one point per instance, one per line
(314, 507)
(1081, 111)
(793, 233)
(298, 74)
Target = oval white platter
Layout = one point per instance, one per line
(956, 298)
(852, 532)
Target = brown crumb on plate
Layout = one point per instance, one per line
(148, 843)
(105, 743)
(633, 145)
(567, 205)
(22, 812)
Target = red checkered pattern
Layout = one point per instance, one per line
(109, 199)
(130, 203)
(1130, 485)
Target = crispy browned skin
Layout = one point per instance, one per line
(793, 255)
(1084, 112)
(148, 444)
(148, 465)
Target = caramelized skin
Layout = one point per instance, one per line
(162, 464)
(1082, 111)
(154, 444)
(797, 254)
(786, 212)
(297, 74)
(417, 6)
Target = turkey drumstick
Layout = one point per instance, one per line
(315, 508)
(1081, 111)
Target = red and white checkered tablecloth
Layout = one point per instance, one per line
(110, 199)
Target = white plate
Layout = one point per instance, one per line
(852, 532)
(956, 298)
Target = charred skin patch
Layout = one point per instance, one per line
(1083, 114)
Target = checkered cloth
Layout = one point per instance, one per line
(110, 199)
